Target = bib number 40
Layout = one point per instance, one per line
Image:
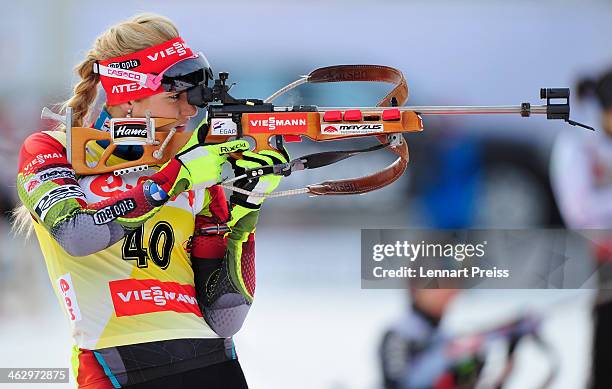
(158, 249)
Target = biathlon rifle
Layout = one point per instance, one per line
(270, 126)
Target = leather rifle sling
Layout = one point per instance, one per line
(382, 178)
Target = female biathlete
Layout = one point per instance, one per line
(154, 269)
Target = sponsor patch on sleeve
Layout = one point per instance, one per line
(55, 174)
(43, 159)
(32, 184)
(111, 212)
(56, 195)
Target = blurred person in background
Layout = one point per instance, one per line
(154, 270)
(581, 177)
(413, 335)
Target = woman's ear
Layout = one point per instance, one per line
(121, 110)
(126, 109)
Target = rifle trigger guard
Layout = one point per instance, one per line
(283, 169)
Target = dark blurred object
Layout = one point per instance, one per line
(601, 88)
(6, 204)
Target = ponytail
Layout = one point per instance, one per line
(85, 92)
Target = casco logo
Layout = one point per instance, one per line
(125, 74)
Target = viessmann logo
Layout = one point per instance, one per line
(177, 48)
(136, 297)
(40, 159)
(292, 122)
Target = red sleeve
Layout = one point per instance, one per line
(41, 151)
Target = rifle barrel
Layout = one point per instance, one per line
(451, 110)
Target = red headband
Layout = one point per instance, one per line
(138, 75)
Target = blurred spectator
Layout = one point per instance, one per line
(581, 175)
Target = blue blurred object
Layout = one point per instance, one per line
(449, 197)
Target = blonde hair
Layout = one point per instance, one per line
(135, 34)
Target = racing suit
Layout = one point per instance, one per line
(121, 254)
